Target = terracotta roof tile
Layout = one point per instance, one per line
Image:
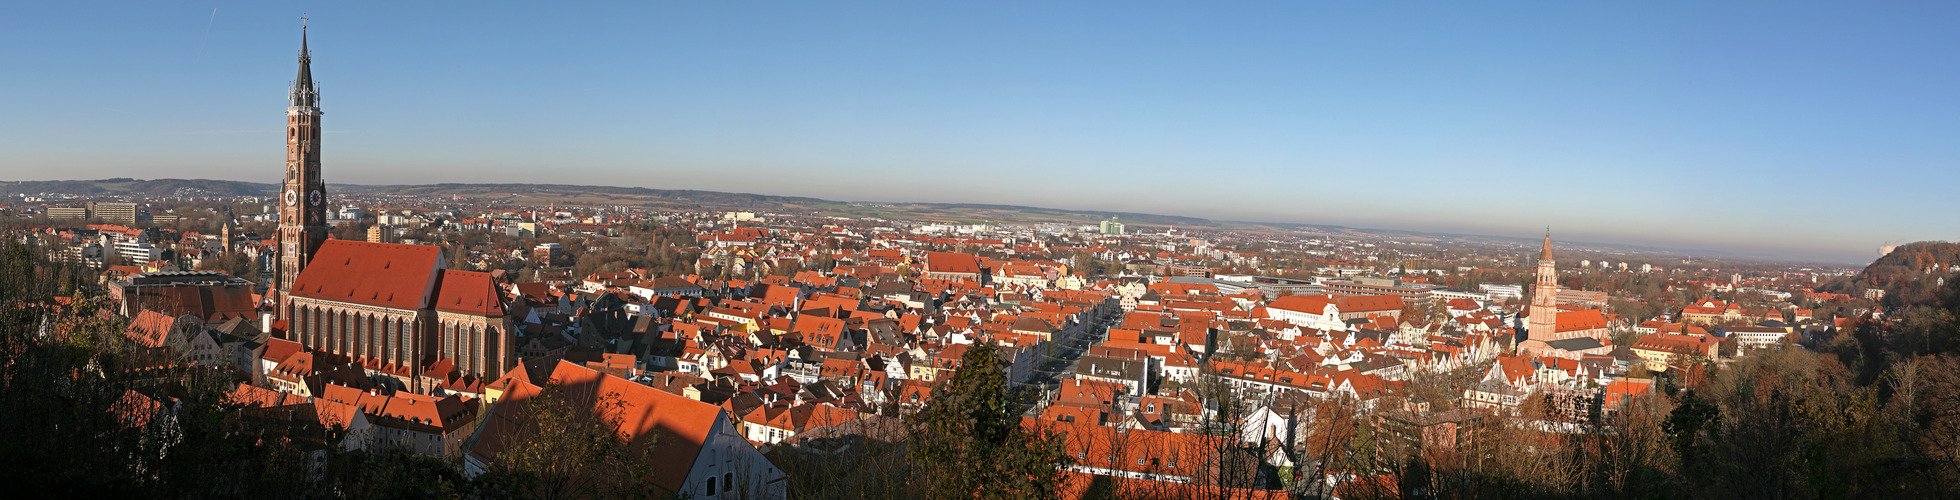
(469, 292)
(681, 424)
(377, 274)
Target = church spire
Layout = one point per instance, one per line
(1546, 253)
(304, 95)
(302, 214)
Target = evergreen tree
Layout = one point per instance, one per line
(969, 441)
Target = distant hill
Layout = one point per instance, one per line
(1909, 275)
(1060, 215)
(1909, 262)
(625, 193)
(689, 198)
(140, 187)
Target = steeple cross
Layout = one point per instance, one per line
(302, 21)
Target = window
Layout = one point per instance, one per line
(727, 481)
(711, 486)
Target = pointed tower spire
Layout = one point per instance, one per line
(1546, 252)
(304, 94)
(302, 214)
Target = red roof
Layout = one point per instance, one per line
(681, 424)
(295, 367)
(278, 349)
(376, 274)
(469, 292)
(135, 409)
(150, 328)
(823, 300)
(948, 262)
(1514, 368)
(801, 417)
(1310, 304)
(1079, 485)
(1588, 319)
(259, 397)
(1368, 303)
(1079, 392)
(1133, 450)
(1629, 387)
(334, 413)
(776, 295)
(1174, 288)
(213, 304)
(404, 409)
(820, 331)
(1679, 344)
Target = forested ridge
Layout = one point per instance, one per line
(1910, 274)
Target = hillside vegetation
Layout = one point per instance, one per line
(1910, 275)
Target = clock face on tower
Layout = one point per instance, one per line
(314, 198)
(292, 197)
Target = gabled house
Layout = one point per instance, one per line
(698, 450)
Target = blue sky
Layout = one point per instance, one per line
(1810, 130)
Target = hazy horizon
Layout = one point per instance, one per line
(1684, 249)
(1816, 132)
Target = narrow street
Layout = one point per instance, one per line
(1056, 366)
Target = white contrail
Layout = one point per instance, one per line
(207, 33)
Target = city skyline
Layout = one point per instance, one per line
(470, 301)
(1490, 152)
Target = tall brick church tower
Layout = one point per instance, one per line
(1544, 297)
(303, 200)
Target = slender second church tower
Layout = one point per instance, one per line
(1544, 297)
(303, 198)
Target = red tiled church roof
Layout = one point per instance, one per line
(1586, 319)
(376, 274)
(469, 292)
